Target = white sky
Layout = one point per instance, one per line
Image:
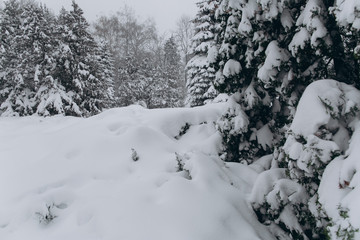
(164, 12)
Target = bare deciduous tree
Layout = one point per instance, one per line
(183, 34)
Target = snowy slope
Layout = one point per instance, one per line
(71, 178)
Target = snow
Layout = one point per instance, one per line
(212, 54)
(74, 178)
(327, 117)
(275, 56)
(311, 111)
(264, 184)
(286, 19)
(347, 13)
(270, 7)
(299, 40)
(245, 25)
(340, 187)
(311, 23)
(265, 137)
(248, 11)
(231, 68)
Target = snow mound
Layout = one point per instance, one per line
(322, 101)
(128, 173)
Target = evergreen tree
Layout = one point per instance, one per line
(200, 75)
(106, 74)
(173, 87)
(267, 52)
(237, 65)
(156, 84)
(51, 66)
(137, 82)
(78, 63)
(31, 58)
(15, 90)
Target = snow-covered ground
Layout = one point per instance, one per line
(72, 178)
(138, 174)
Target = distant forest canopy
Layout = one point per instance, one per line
(60, 64)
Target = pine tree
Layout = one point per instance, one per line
(31, 61)
(267, 52)
(270, 51)
(173, 88)
(137, 82)
(236, 67)
(106, 74)
(16, 89)
(78, 63)
(199, 72)
(49, 95)
(51, 66)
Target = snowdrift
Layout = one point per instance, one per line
(133, 173)
(128, 173)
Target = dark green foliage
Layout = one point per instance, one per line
(347, 232)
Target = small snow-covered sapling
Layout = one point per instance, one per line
(183, 131)
(134, 155)
(180, 163)
(181, 166)
(48, 216)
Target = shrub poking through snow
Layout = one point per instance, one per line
(134, 155)
(180, 163)
(46, 216)
(180, 159)
(183, 130)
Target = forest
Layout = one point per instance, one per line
(60, 64)
(277, 81)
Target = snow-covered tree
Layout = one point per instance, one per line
(157, 84)
(15, 90)
(128, 40)
(237, 68)
(183, 35)
(174, 86)
(106, 73)
(31, 60)
(267, 52)
(137, 82)
(200, 75)
(320, 132)
(78, 63)
(50, 65)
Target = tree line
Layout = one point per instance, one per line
(60, 64)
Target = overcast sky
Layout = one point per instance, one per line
(164, 12)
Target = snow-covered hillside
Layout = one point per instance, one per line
(128, 173)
